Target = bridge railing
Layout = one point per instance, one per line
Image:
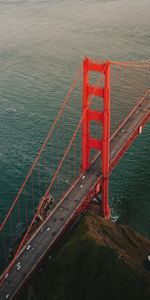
(26, 203)
(58, 163)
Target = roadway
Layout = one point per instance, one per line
(69, 208)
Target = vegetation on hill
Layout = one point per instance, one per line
(100, 260)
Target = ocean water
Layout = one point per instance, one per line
(42, 43)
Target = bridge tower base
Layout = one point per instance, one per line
(101, 144)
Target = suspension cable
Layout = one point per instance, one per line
(53, 180)
(77, 76)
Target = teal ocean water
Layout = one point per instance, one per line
(42, 43)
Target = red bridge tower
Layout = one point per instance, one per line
(103, 117)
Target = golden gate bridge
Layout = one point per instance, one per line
(106, 108)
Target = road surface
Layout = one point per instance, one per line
(65, 211)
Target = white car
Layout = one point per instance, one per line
(28, 247)
(7, 296)
(48, 229)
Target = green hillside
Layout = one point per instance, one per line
(99, 260)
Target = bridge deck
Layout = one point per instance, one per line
(46, 235)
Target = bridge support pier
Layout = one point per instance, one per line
(101, 144)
